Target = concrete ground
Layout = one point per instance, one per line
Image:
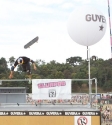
(45, 107)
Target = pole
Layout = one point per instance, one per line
(12, 80)
(89, 77)
(110, 26)
(96, 92)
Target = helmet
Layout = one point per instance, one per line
(20, 60)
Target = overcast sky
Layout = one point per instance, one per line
(22, 20)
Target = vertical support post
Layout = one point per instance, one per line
(89, 74)
(96, 91)
(0, 82)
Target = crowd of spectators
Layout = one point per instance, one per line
(75, 99)
(106, 96)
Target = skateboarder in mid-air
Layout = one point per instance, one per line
(25, 62)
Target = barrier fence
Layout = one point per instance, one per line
(19, 91)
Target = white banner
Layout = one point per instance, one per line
(51, 88)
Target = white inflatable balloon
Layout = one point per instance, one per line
(86, 25)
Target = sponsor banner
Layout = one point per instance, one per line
(82, 120)
(51, 89)
(51, 113)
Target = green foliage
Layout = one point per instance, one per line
(74, 68)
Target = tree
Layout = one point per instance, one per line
(100, 69)
(11, 60)
(74, 60)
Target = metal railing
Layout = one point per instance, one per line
(52, 101)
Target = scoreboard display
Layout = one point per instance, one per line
(50, 118)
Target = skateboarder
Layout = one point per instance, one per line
(25, 62)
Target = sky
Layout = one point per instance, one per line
(23, 20)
